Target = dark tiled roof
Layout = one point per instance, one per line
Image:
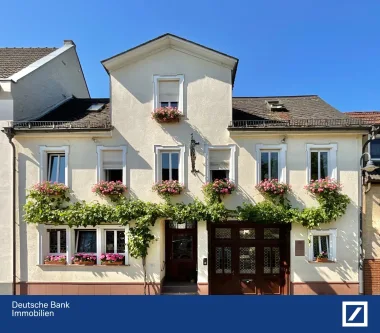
(14, 59)
(298, 107)
(371, 116)
(72, 115)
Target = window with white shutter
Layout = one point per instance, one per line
(219, 164)
(112, 163)
(168, 91)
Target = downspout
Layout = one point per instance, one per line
(9, 132)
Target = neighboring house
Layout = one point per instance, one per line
(245, 139)
(371, 208)
(33, 81)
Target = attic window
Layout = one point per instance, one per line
(96, 107)
(275, 105)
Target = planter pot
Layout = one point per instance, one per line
(116, 263)
(85, 263)
(161, 121)
(323, 259)
(61, 263)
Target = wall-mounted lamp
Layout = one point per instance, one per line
(193, 157)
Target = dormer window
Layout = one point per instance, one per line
(168, 91)
(96, 107)
(276, 105)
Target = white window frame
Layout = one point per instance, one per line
(99, 167)
(43, 241)
(58, 241)
(158, 150)
(281, 149)
(332, 233)
(114, 230)
(331, 149)
(160, 78)
(232, 170)
(44, 162)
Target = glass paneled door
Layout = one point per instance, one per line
(248, 258)
(181, 251)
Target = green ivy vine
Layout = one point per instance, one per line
(57, 209)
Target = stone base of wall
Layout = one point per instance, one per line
(324, 288)
(372, 276)
(203, 288)
(41, 288)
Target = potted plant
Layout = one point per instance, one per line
(110, 189)
(322, 257)
(218, 188)
(166, 114)
(168, 188)
(324, 187)
(112, 259)
(87, 259)
(47, 188)
(55, 260)
(273, 189)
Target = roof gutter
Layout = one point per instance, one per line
(10, 133)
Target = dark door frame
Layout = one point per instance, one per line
(168, 249)
(287, 268)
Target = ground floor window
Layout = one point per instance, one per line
(71, 242)
(322, 244)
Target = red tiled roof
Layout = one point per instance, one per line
(372, 116)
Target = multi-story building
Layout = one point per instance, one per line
(246, 139)
(33, 81)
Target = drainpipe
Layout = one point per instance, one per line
(9, 132)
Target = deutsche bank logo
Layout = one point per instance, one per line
(355, 314)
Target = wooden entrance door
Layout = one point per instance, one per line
(249, 258)
(181, 251)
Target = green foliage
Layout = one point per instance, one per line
(48, 209)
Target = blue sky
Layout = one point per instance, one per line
(325, 47)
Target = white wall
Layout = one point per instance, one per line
(45, 87)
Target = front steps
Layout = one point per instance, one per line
(179, 288)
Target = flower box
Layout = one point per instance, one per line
(55, 260)
(115, 263)
(322, 260)
(59, 263)
(109, 189)
(168, 188)
(50, 189)
(84, 263)
(166, 115)
(84, 259)
(112, 259)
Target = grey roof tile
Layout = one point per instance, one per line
(14, 59)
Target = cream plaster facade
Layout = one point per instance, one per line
(24, 96)
(207, 113)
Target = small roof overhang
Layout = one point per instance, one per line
(170, 41)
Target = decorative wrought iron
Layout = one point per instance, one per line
(61, 125)
(193, 157)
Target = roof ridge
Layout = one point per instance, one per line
(284, 96)
(28, 48)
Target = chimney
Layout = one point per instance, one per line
(68, 42)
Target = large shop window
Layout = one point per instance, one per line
(271, 162)
(220, 162)
(169, 163)
(54, 164)
(168, 91)
(322, 241)
(112, 163)
(321, 161)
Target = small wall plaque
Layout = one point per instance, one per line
(299, 248)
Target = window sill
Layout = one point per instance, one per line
(322, 262)
(84, 266)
